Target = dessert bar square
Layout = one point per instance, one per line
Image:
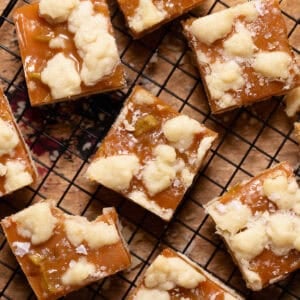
(144, 16)
(173, 276)
(151, 154)
(68, 49)
(60, 253)
(243, 54)
(17, 169)
(259, 220)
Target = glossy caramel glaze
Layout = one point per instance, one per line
(34, 34)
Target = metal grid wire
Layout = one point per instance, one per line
(63, 136)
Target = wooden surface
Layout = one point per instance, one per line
(63, 137)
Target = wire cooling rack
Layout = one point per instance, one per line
(62, 137)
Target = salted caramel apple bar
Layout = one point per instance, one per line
(60, 253)
(173, 276)
(144, 16)
(68, 49)
(151, 154)
(17, 169)
(243, 54)
(259, 221)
